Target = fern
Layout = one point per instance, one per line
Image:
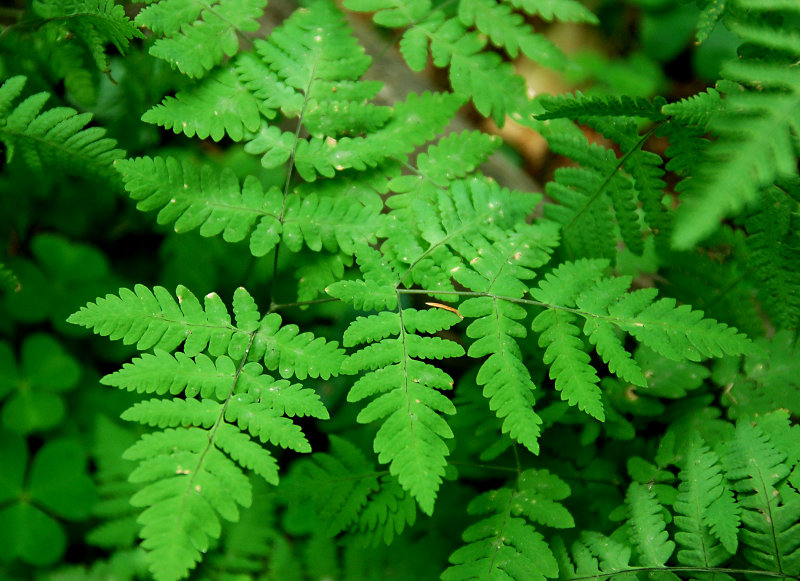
(193, 469)
(57, 137)
(95, 22)
(411, 437)
(474, 71)
(503, 545)
(754, 145)
(198, 36)
(771, 508)
(672, 332)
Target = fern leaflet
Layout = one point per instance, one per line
(503, 545)
(198, 36)
(192, 470)
(55, 138)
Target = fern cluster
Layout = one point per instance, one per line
(593, 382)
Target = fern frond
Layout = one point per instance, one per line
(227, 410)
(455, 156)
(706, 513)
(499, 270)
(508, 30)
(338, 483)
(505, 546)
(775, 251)
(676, 333)
(217, 106)
(562, 10)
(198, 36)
(647, 528)
(153, 319)
(754, 143)
(411, 437)
(595, 556)
(95, 22)
(770, 377)
(55, 138)
(598, 201)
(579, 107)
(770, 508)
(216, 203)
(415, 121)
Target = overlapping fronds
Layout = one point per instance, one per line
(505, 543)
(754, 134)
(579, 290)
(460, 43)
(220, 411)
(96, 23)
(194, 37)
(54, 138)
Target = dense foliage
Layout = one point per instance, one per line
(263, 319)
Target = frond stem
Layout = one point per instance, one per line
(620, 164)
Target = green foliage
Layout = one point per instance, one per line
(446, 377)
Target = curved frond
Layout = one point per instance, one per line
(55, 138)
(96, 23)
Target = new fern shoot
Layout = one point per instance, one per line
(343, 351)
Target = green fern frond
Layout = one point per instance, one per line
(595, 556)
(598, 201)
(508, 30)
(579, 107)
(647, 528)
(775, 250)
(561, 10)
(770, 507)
(754, 143)
(227, 410)
(152, 319)
(503, 545)
(214, 202)
(198, 36)
(95, 22)
(455, 156)
(411, 437)
(415, 121)
(55, 138)
(338, 483)
(705, 511)
(217, 106)
(676, 333)
(499, 270)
